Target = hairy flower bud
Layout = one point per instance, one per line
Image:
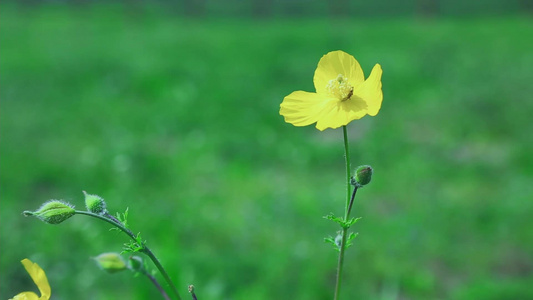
(111, 262)
(95, 204)
(53, 212)
(363, 175)
(136, 263)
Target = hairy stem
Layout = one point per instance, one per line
(144, 249)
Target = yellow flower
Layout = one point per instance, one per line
(342, 94)
(39, 277)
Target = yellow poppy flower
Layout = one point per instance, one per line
(39, 277)
(342, 94)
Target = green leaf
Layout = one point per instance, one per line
(334, 241)
(344, 224)
(134, 246)
(350, 238)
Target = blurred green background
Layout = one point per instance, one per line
(171, 109)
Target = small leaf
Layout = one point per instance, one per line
(351, 222)
(351, 237)
(332, 217)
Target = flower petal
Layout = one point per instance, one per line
(26, 296)
(303, 108)
(39, 277)
(370, 91)
(333, 64)
(338, 114)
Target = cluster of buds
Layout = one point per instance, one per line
(57, 211)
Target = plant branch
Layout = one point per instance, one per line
(351, 202)
(157, 285)
(144, 249)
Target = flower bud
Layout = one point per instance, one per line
(53, 212)
(110, 262)
(363, 175)
(338, 240)
(95, 204)
(136, 263)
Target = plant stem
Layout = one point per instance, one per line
(348, 171)
(351, 201)
(157, 285)
(112, 222)
(144, 250)
(191, 290)
(340, 264)
(154, 259)
(348, 208)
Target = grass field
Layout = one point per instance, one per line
(178, 120)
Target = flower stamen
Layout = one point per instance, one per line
(340, 88)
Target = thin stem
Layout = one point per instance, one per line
(191, 290)
(154, 259)
(157, 285)
(144, 249)
(340, 263)
(112, 222)
(348, 169)
(351, 201)
(110, 216)
(348, 208)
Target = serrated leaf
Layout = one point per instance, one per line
(351, 237)
(352, 221)
(332, 217)
(331, 240)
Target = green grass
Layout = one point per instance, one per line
(178, 120)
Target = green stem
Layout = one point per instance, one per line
(112, 222)
(144, 250)
(156, 284)
(349, 201)
(154, 259)
(340, 264)
(348, 169)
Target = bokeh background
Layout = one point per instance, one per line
(170, 109)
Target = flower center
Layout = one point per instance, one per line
(340, 88)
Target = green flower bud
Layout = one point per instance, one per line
(53, 212)
(136, 263)
(95, 204)
(363, 175)
(111, 262)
